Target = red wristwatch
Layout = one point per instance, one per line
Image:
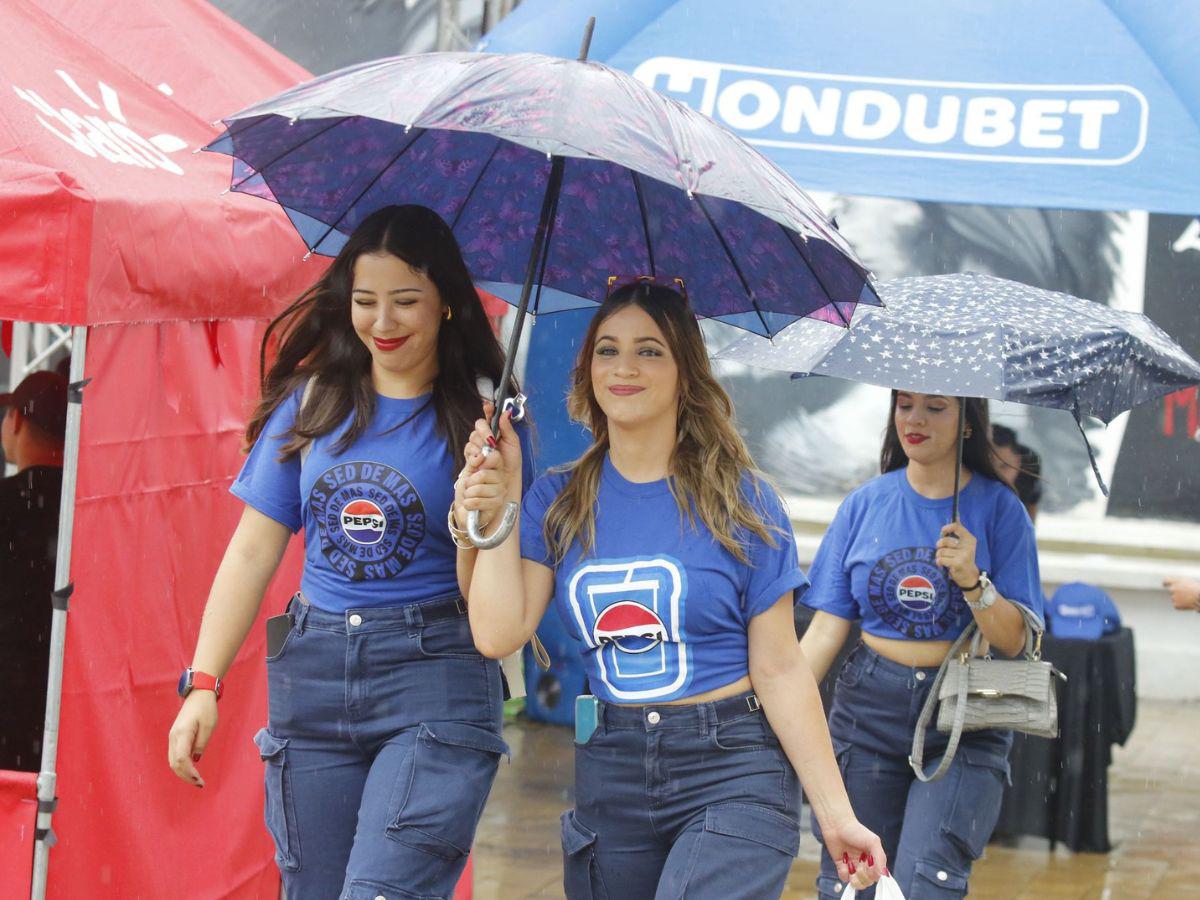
(191, 680)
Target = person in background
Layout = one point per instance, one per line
(32, 432)
(1019, 467)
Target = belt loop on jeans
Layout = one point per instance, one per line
(704, 710)
(300, 602)
(412, 616)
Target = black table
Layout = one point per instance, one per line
(1060, 787)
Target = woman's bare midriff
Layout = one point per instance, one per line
(730, 690)
(908, 653)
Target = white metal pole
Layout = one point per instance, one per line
(48, 776)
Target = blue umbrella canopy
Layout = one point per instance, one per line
(648, 186)
(971, 335)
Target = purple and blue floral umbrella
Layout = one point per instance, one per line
(648, 186)
(554, 174)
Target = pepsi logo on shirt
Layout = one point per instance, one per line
(631, 613)
(370, 517)
(912, 594)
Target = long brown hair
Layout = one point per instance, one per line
(710, 461)
(316, 338)
(979, 456)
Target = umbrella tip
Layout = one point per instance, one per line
(586, 45)
(226, 191)
(306, 256)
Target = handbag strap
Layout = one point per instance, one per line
(916, 759)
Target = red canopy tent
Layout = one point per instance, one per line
(113, 227)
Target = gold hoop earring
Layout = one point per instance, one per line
(967, 433)
(448, 314)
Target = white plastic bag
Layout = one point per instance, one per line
(885, 889)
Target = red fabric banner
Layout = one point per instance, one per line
(110, 216)
(160, 443)
(18, 817)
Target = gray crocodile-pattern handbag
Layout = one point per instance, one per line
(980, 692)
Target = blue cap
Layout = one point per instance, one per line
(1082, 611)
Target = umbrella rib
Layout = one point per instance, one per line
(825, 290)
(738, 269)
(382, 171)
(541, 276)
(637, 189)
(293, 148)
(478, 180)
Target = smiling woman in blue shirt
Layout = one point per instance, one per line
(892, 560)
(673, 565)
(383, 732)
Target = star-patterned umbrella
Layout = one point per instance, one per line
(971, 335)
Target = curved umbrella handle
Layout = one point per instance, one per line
(507, 520)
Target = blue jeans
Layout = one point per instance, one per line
(383, 742)
(696, 800)
(932, 832)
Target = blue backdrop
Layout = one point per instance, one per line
(1084, 104)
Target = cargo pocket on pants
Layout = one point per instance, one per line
(439, 797)
(934, 881)
(581, 878)
(977, 798)
(280, 810)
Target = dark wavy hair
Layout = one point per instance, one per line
(979, 455)
(316, 338)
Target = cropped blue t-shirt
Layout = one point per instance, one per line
(374, 516)
(875, 562)
(659, 608)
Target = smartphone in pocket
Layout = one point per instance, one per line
(587, 709)
(278, 628)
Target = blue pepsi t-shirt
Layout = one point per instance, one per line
(374, 516)
(659, 608)
(875, 562)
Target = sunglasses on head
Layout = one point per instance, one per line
(616, 282)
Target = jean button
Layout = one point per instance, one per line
(653, 717)
(920, 676)
(356, 620)
(942, 876)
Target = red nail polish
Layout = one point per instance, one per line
(195, 757)
(862, 857)
(491, 442)
(871, 861)
(853, 869)
(846, 858)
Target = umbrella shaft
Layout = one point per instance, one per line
(958, 461)
(536, 254)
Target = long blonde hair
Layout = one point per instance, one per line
(710, 462)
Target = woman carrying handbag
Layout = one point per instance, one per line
(893, 559)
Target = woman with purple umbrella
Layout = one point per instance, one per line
(891, 561)
(673, 564)
(383, 731)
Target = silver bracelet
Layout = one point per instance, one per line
(461, 539)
